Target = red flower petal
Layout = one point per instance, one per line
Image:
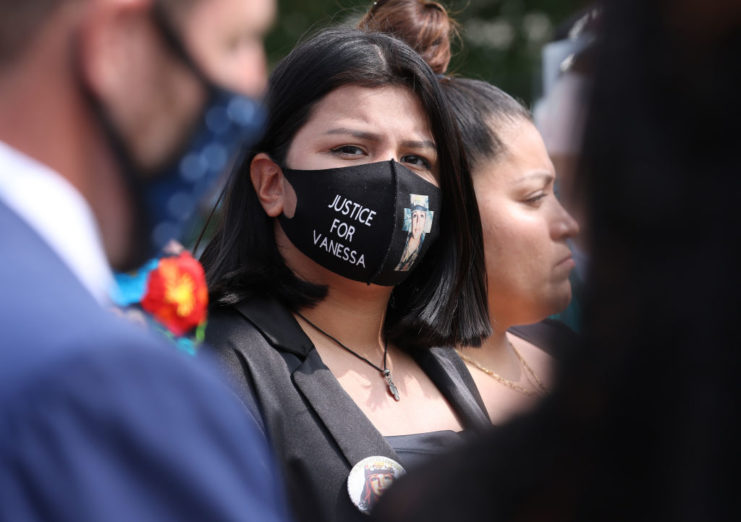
(176, 294)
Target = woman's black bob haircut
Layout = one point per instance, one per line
(443, 302)
(481, 110)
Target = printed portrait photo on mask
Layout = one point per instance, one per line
(417, 223)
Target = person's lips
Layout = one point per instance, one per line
(566, 262)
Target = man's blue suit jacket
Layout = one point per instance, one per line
(101, 421)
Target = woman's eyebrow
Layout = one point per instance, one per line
(371, 136)
(544, 175)
(423, 144)
(364, 135)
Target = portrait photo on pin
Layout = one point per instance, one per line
(369, 478)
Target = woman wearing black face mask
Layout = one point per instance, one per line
(314, 318)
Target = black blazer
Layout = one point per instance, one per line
(316, 429)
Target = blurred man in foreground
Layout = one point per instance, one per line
(98, 420)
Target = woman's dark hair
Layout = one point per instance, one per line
(443, 301)
(423, 25)
(482, 110)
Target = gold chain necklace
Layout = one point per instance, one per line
(540, 389)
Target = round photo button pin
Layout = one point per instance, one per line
(369, 478)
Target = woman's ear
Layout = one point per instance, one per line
(274, 192)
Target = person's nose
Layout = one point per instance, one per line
(563, 226)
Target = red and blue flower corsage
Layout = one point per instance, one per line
(169, 294)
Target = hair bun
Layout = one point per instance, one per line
(425, 26)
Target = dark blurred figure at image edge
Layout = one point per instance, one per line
(98, 420)
(642, 424)
(560, 114)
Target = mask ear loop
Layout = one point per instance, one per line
(171, 37)
(208, 220)
(237, 161)
(127, 168)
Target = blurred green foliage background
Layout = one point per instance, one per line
(501, 39)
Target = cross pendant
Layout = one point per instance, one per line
(390, 384)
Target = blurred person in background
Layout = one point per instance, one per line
(525, 227)
(528, 262)
(98, 420)
(643, 424)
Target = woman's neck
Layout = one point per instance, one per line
(352, 312)
(496, 351)
(494, 348)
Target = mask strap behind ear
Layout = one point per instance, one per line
(175, 43)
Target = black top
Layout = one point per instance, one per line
(553, 337)
(316, 429)
(418, 448)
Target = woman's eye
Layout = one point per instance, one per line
(348, 150)
(536, 199)
(417, 161)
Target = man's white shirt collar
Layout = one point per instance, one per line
(59, 214)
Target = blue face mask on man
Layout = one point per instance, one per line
(166, 201)
(229, 123)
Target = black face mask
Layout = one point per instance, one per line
(371, 223)
(165, 201)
